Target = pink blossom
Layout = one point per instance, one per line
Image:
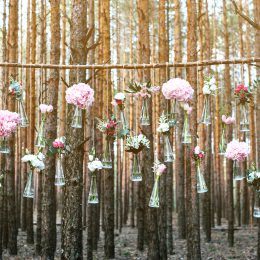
(81, 95)
(161, 168)
(58, 144)
(155, 89)
(237, 151)
(228, 120)
(45, 108)
(178, 89)
(9, 122)
(187, 108)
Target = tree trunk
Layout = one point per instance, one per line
(193, 234)
(49, 195)
(10, 158)
(72, 210)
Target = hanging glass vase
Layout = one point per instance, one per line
(77, 118)
(256, 213)
(4, 148)
(136, 174)
(107, 156)
(29, 188)
(205, 118)
(22, 112)
(201, 184)
(145, 119)
(167, 149)
(59, 175)
(186, 136)
(222, 144)
(172, 116)
(237, 172)
(40, 139)
(244, 122)
(154, 199)
(123, 120)
(93, 194)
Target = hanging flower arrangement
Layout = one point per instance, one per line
(80, 95)
(9, 121)
(40, 139)
(135, 144)
(164, 128)
(119, 101)
(225, 121)
(158, 169)
(35, 162)
(186, 135)
(16, 89)
(237, 151)
(94, 165)
(109, 128)
(198, 155)
(209, 89)
(145, 91)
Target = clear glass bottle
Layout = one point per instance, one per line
(4, 148)
(205, 118)
(22, 112)
(107, 156)
(123, 120)
(93, 194)
(155, 199)
(77, 118)
(40, 139)
(237, 172)
(222, 144)
(172, 116)
(145, 119)
(59, 175)
(186, 136)
(167, 149)
(29, 188)
(244, 121)
(136, 174)
(201, 184)
(256, 213)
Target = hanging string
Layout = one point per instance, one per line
(93, 119)
(107, 91)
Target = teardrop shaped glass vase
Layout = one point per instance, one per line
(93, 194)
(123, 120)
(40, 139)
(4, 148)
(136, 174)
(186, 136)
(107, 156)
(77, 118)
(59, 175)
(256, 213)
(145, 119)
(222, 144)
(205, 118)
(244, 122)
(167, 149)
(201, 184)
(237, 172)
(29, 188)
(22, 113)
(155, 199)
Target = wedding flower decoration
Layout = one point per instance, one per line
(237, 151)
(242, 93)
(187, 108)
(227, 120)
(80, 95)
(209, 87)
(158, 169)
(136, 143)
(15, 88)
(164, 126)
(35, 161)
(45, 108)
(119, 100)
(95, 165)
(197, 154)
(253, 177)
(9, 121)
(143, 90)
(178, 89)
(108, 126)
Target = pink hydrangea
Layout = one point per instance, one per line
(80, 95)
(9, 122)
(178, 89)
(57, 143)
(45, 108)
(227, 120)
(237, 151)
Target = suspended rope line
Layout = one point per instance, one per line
(133, 66)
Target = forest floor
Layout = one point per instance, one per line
(244, 249)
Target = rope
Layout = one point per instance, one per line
(133, 66)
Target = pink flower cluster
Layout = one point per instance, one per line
(178, 89)
(228, 120)
(9, 122)
(197, 153)
(240, 88)
(241, 92)
(161, 168)
(146, 92)
(80, 95)
(237, 151)
(58, 144)
(45, 108)
(187, 108)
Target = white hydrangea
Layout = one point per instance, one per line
(36, 161)
(209, 87)
(119, 96)
(134, 142)
(163, 127)
(95, 165)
